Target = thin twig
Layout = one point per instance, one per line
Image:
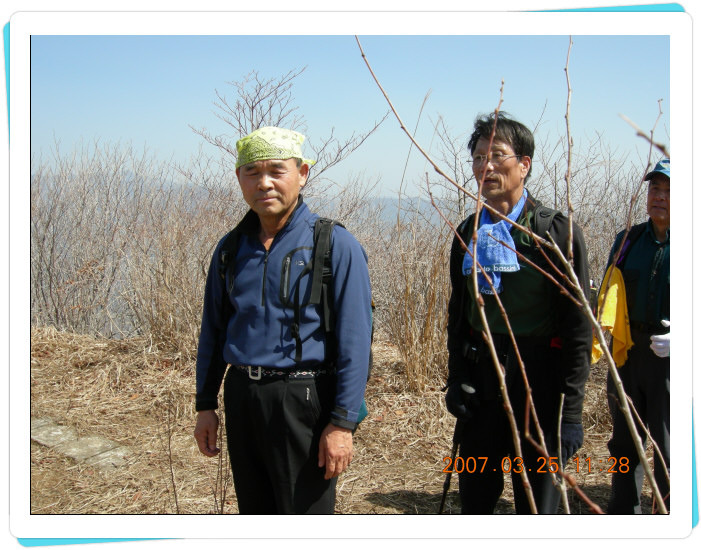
(638, 132)
(169, 434)
(570, 146)
(562, 485)
(649, 437)
(438, 170)
(571, 481)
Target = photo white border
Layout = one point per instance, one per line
(24, 24)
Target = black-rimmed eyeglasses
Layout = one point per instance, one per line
(496, 159)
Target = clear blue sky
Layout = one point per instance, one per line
(147, 90)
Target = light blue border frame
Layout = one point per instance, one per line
(672, 7)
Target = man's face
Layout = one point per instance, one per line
(271, 187)
(658, 200)
(504, 173)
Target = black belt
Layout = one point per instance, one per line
(258, 373)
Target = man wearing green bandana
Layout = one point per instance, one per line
(291, 403)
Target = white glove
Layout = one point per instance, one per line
(659, 343)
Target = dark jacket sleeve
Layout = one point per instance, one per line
(210, 360)
(456, 317)
(575, 328)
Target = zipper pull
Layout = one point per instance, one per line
(285, 279)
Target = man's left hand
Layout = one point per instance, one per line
(335, 450)
(572, 437)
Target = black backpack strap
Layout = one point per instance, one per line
(320, 265)
(227, 256)
(543, 219)
(464, 231)
(227, 252)
(541, 224)
(322, 279)
(322, 293)
(465, 227)
(321, 257)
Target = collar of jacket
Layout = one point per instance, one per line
(650, 230)
(250, 223)
(531, 203)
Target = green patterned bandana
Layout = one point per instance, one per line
(270, 143)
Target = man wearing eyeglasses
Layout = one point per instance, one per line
(553, 336)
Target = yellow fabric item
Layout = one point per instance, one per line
(613, 317)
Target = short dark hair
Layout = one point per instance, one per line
(509, 130)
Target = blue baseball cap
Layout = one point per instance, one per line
(661, 167)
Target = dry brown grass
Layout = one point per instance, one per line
(123, 390)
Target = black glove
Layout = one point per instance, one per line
(460, 400)
(571, 438)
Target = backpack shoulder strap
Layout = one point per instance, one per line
(465, 224)
(322, 279)
(543, 219)
(227, 252)
(322, 286)
(543, 216)
(229, 248)
(321, 257)
(541, 223)
(465, 228)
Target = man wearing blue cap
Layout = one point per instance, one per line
(644, 262)
(293, 392)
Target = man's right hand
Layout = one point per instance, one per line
(660, 342)
(206, 432)
(460, 400)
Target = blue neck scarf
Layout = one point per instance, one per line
(493, 256)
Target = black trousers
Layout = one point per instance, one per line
(645, 379)
(273, 427)
(489, 437)
(486, 440)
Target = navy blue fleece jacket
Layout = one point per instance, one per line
(259, 330)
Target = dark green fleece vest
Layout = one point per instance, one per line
(527, 294)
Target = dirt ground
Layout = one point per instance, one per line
(128, 392)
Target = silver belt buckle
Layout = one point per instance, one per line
(257, 376)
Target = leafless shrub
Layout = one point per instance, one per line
(82, 206)
(412, 295)
(602, 184)
(121, 245)
(169, 257)
(264, 101)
